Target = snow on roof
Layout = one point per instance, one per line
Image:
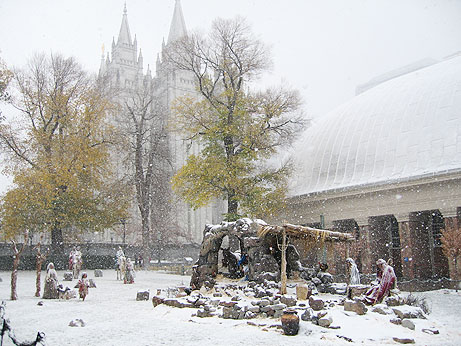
(405, 127)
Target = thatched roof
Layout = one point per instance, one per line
(307, 233)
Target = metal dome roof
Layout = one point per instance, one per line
(405, 127)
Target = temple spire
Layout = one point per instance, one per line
(124, 36)
(178, 25)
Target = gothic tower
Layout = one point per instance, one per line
(125, 69)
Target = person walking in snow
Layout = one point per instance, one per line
(50, 289)
(83, 285)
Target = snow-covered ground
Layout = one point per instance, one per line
(114, 317)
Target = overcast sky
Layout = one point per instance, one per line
(324, 48)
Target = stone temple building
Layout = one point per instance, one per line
(386, 166)
(125, 68)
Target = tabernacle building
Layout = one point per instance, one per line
(386, 166)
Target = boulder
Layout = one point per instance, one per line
(382, 309)
(68, 276)
(98, 273)
(288, 301)
(407, 311)
(316, 304)
(394, 300)
(92, 283)
(397, 321)
(307, 315)
(408, 324)
(143, 295)
(355, 305)
(316, 281)
(157, 300)
(404, 340)
(357, 290)
(325, 321)
(77, 323)
(325, 278)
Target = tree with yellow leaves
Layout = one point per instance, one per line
(58, 148)
(239, 129)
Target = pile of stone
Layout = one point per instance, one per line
(246, 301)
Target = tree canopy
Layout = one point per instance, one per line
(59, 152)
(239, 128)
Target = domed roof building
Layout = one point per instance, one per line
(387, 166)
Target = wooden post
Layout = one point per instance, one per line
(283, 273)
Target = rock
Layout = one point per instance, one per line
(325, 278)
(250, 315)
(355, 305)
(345, 338)
(236, 298)
(316, 281)
(277, 307)
(205, 313)
(1, 280)
(408, 324)
(382, 309)
(278, 313)
(288, 301)
(357, 290)
(254, 309)
(77, 323)
(217, 294)
(302, 292)
(157, 301)
(92, 283)
(40, 303)
(267, 276)
(209, 308)
(321, 314)
(68, 276)
(228, 304)
(397, 321)
(430, 331)
(263, 302)
(227, 312)
(307, 315)
(394, 300)
(98, 273)
(404, 340)
(326, 288)
(316, 303)
(325, 321)
(407, 311)
(143, 295)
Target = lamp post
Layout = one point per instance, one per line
(123, 222)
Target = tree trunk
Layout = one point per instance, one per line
(456, 273)
(57, 240)
(232, 207)
(14, 277)
(40, 258)
(14, 274)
